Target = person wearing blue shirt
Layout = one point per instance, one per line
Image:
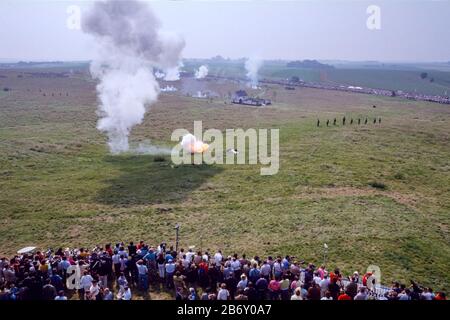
(150, 256)
(169, 257)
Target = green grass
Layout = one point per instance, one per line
(60, 187)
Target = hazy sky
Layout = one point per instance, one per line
(413, 30)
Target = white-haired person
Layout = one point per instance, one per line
(242, 284)
(297, 294)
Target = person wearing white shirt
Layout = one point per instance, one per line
(170, 267)
(427, 294)
(297, 295)
(223, 293)
(86, 281)
(324, 285)
(185, 262)
(218, 257)
(108, 295)
(265, 269)
(123, 253)
(243, 282)
(235, 265)
(116, 258)
(190, 255)
(127, 294)
(317, 279)
(327, 296)
(61, 296)
(124, 293)
(94, 290)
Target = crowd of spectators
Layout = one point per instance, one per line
(126, 272)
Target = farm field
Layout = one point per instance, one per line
(376, 193)
(402, 77)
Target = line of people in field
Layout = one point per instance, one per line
(124, 271)
(356, 121)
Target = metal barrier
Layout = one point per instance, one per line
(377, 291)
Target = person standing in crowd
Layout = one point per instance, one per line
(297, 294)
(170, 271)
(107, 295)
(85, 284)
(61, 296)
(143, 275)
(223, 293)
(362, 294)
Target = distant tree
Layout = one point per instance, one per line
(295, 79)
(393, 94)
(6, 89)
(423, 75)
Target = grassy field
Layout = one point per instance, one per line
(401, 77)
(60, 187)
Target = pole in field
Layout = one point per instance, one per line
(177, 229)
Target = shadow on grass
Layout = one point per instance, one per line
(144, 180)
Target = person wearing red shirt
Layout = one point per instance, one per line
(440, 296)
(344, 296)
(335, 276)
(274, 289)
(365, 278)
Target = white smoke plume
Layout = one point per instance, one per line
(202, 72)
(252, 66)
(147, 148)
(200, 94)
(159, 75)
(130, 46)
(173, 74)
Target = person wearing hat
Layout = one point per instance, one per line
(142, 275)
(170, 271)
(355, 277)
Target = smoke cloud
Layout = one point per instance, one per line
(201, 72)
(252, 66)
(131, 45)
(173, 74)
(147, 148)
(191, 144)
